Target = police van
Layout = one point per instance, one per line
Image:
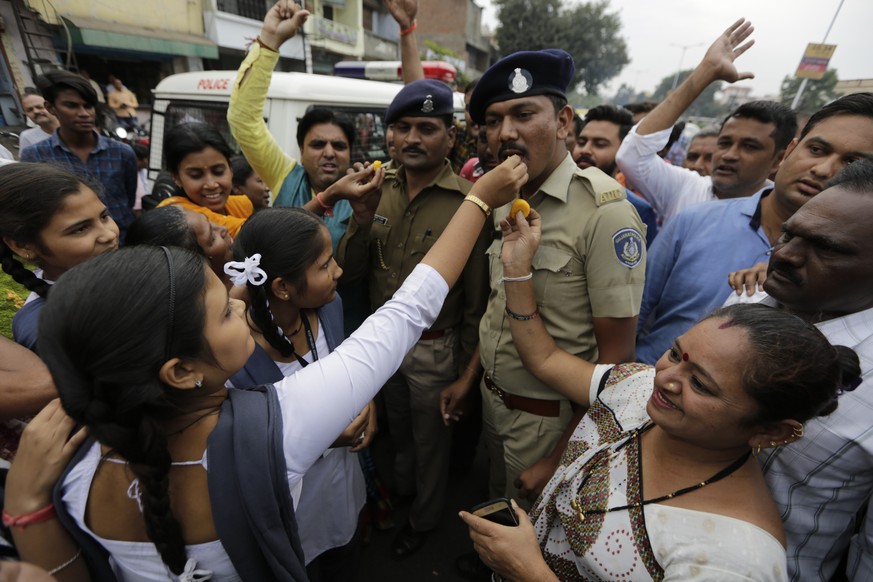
(204, 96)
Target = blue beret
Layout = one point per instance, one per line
(522, 74)
(422, 98)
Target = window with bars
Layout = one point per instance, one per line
(255, 9)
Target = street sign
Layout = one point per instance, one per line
(815, 60)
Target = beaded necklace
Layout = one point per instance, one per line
(730, 469)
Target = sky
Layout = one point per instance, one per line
(782, 30)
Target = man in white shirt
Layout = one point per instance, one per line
(750, 145)
(46, 123)
(821, 270)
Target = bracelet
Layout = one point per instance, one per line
(265, 45)
(22, 521)
(478, 202)
(54, 571)
(328, 210)
(409, 30)
(522, 317)
(527, 277)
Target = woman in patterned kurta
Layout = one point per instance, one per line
(657, 481)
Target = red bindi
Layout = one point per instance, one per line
(685, 356)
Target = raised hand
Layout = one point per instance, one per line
(282, 22)
(403, 11)
(719, 58)
(502, 184)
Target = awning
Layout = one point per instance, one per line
(111, 35)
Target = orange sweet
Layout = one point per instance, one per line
(377, 164)
(519, 205)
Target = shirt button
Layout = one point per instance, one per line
(400, 245)
(408, 214)
(393, 275)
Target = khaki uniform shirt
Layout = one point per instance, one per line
(400, 235)
(591, 262)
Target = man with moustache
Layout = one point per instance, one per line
(597, 140)
(699, 248)
(751, 143)
(46, 123)
(698, 157)
(820, 270)
(588, 271)
(385, 243)
(76, 145)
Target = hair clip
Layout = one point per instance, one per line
(248, 271)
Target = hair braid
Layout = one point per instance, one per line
(262, 317)
(22, 274)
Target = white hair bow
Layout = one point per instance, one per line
(248, 271)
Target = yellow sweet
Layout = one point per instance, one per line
(377, 164)
(519, 206)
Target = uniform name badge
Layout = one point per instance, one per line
(628, 245)
(380, 219)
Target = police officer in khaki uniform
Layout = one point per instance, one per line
(588, 272)
(418, 200)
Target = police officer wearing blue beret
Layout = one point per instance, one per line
(418, 200)
(588, 272)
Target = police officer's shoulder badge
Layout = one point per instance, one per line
(628, 245)
(427, 106)
(520, 81)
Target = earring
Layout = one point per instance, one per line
(756, 451)
(798, 432)
(772, 443)
(285, 297)
(198, 384)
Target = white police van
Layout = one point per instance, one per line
(204, 96)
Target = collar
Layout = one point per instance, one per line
(57, 142)
(836, 329)
(557, 184)
(752, 207)
(446, 179)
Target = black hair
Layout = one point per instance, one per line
(470, 86)
(764, 111)
(30, 195)
(558, 102)
(641, 107)
(792, 370)
(29, 90)
(104, 352)
(705, 132)
(620, 116)
(856, 177)
(190, 138)
(853, 104)
(141, 151)
(319, 115)
(289, 241)
(578, 124)
(53, 82)
(242, 170)
(165, 226)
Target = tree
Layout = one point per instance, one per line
(704, 106)
(816, 94)
(589, 32)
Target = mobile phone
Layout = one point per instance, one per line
(497, 510)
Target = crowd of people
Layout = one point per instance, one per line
(670, 362)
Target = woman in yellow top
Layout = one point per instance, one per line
(199, 160)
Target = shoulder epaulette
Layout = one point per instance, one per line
(604, 188)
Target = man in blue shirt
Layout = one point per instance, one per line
(688, 265)
(106, 165)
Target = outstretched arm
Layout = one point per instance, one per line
(25, 383)
(717, 65)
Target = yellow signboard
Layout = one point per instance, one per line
(815, 60)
